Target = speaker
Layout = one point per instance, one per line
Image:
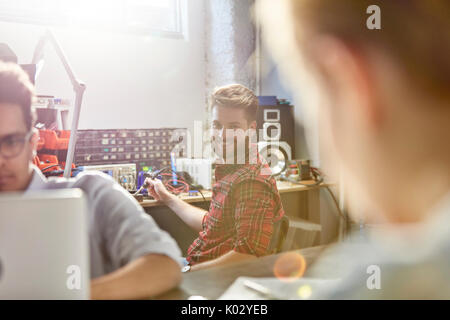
(277, 155)
(276, 139)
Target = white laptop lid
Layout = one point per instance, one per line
(44, 249)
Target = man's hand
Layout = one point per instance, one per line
(191, 215)
(228, 258)
(157, 190)
(142, 278)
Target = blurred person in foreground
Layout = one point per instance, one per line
(130, 256)
(380, 100)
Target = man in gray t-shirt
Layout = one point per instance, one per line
(119, 229)
(130, 256)
(411, 261)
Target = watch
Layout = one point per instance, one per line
(186, 268)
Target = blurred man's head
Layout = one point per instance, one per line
(17, 138)
(382, 97)
(234, 110)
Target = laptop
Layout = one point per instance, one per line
(44, 248)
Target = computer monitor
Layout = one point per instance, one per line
(44, 249)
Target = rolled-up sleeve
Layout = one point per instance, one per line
(127, 232)
(254, 206)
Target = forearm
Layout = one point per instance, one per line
(140, 279)
(227, 258)
(191, 215)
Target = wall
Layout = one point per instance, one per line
(272, 85)
(230, 44)
(132, 81)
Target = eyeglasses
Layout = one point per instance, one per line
(12, 145)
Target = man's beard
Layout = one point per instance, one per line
(236, 152)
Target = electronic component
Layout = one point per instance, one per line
(147, 148)
(301, 172)
(199, 169)
(304, 167)
(123, 174)
(276, 137)
(175, 182)
(52, 152)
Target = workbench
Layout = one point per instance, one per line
(299, 202)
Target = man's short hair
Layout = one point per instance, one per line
(16, 88)
(236, 96)
(414, 33)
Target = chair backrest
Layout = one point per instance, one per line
(280, 229)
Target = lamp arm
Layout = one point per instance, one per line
(78, 87)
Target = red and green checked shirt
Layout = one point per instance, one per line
(244, 206)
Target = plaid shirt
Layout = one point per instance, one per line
(244, 206)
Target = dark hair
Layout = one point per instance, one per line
(16, 88)
(415, 32)
(236, 96)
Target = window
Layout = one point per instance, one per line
(146, 17)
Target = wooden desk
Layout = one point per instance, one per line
(299, 201)
(283, 187)
(212, 283)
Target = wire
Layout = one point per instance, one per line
(49, 167)
(169, 176)
(53, 173)
(183, 186)
(318, 181)
(318, 176)
(343, 216)
(138, 191)
(152, 175)
(168, 180)
(204, 199)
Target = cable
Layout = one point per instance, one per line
(53, 173)
(319, 181)
(204, 199)
(180, 186)
(138, 191)
(336, 204)
(152, 175)
(184, 181)
(183, 186)
(318, 176)
(49, 167)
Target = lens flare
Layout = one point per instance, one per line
(289, 266)
(304, 292)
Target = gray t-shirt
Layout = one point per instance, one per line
(407, 262)
(119, 229)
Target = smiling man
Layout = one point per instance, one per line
(245, 201)
(130, 256)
